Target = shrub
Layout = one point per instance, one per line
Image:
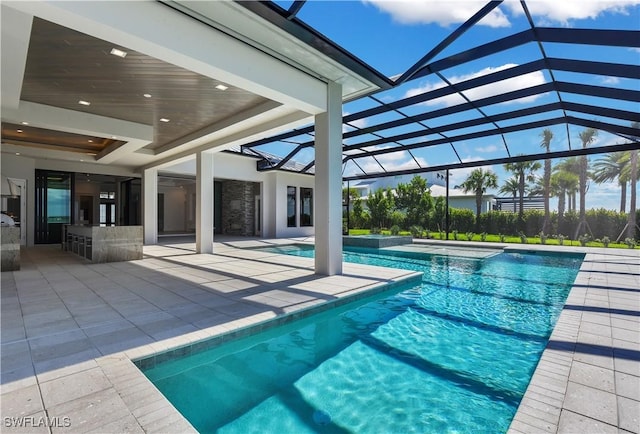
(630, 242)
(416, 231)
(560, 239)
(469, 235)
(502, 237)
(395, 230)
(375, 230)
(523, 237)
(462, 220)
(606, 241)
(483, 236)
(455, 235)
(543, 238)
(584, 239)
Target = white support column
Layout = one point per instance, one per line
(150, 205)
(328, 184)
(204, 202)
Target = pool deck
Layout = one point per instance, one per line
(70, 330)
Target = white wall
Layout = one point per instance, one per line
(273, 185)
(283, 180)
(470, 203)
(175, 201)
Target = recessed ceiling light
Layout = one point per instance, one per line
(24, 123)
(147, 95)
(17, 153)
(113, 137)
(164, 120)
(81, 161)
(83, 102)
(118, 53)
(20, 131)
(90, 141)
(222, 87)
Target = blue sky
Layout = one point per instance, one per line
(392, 35)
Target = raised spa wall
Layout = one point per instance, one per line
(376, 241)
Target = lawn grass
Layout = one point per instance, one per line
(490, 238)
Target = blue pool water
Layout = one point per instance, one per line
(452, 355)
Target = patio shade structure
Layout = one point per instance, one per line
(564, 96)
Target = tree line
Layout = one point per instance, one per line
(412, 206)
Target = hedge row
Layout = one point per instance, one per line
(601, 223)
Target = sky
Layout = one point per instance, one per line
(393, 35)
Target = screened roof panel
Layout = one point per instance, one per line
(460, 91)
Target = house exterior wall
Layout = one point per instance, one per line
(241, 182)
(238, 172)
(470, 203)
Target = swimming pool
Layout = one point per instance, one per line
(452, 355)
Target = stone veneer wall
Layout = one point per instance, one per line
(238, 207)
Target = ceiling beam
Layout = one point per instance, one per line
(54, 118)
(206, 134)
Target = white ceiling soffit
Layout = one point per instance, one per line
(241, 23)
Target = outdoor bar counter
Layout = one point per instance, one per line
(10, 248)
(104, 243)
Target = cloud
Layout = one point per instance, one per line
(511, 84)
(610, 80)
(562, 11)
(487, 149)
(441, 12)
(358, 123)
(392, 161)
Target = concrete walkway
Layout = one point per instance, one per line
(70, 330)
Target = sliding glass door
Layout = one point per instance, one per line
(53, 205)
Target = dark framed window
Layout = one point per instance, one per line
(306, 206)
(291, 207)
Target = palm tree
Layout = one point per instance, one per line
(570, 165)
(547, 135)
(562, 183)
(587, 136)
(524, 170)
(611, 167)
(511, 188)
(478, 182)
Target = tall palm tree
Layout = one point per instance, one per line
(511, 188)
(587, 136)
(570, 165)
(611, 167)
(547, 135)
(478, 182)
(562, 183)
(524, 170)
